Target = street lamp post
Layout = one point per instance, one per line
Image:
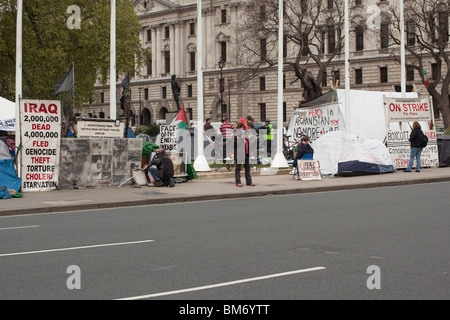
(140, 107)
(221, 65)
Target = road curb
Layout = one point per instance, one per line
(242, 195)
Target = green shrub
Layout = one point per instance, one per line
(152, 130)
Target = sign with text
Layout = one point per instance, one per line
(309, 170)
(169, 138)
(400, 149)
(408, 109)
(313, 122)
(41, 139)
(97, 129)
(8, 125)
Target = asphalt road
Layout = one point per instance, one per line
(309, 246)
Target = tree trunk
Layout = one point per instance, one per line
(445, 110)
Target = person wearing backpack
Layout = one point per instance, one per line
(418, 141)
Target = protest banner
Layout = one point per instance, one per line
(313, 122)
(100, 129)
(169, 138)
(408, 109)
(41, 139)
(399, 148)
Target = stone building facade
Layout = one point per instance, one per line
(169, 31)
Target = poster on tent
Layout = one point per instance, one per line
(40, 123)
(399, 148)
(8, 125)
(313, 122)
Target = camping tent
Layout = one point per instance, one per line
(327, 113)
(7, 115)
(340, 153)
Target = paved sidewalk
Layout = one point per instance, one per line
(222, 187)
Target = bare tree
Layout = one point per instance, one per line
(427, 34)
(312, 36)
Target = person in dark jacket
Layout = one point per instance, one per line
(163, 173)
(416, 151)
(304, 148)
(241, 142)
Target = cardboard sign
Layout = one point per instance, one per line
(309, 170)
(97, 129)
(400, 149)
(313, 122)
(408, 110)
(41, 139)
(169, 138)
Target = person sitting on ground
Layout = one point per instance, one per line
(304, 151)
(163, 173)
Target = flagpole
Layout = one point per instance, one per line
(402, 50)
(280, 161)
(347, 69)
(112, 80)
(200, 164)
(18, 82)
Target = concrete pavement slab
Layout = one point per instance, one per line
(204, 189)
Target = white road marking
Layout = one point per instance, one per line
(74, 248)
(14, 228)
(278, 275)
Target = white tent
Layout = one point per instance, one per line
(367, 118)
(7, 115)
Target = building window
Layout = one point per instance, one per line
(149, 68)
(337, 76)
(146, 94)
(358, 2)
(262, 12)
(263, 48)
(359, 39)
(411, 33)
(223, 51)
(285, 47)
(358, 76)
(192, 29)
(331, 39)
(434, 71)
(284, 111)
(164, 92)
(330, 4)
(149, 35)
(262, 111)
(324, 79)
(304, 45)
(443, 26)
(192, 54)
(190, 92)
(224, 16)
(383, 74)
(167, 61)
(410, 73)
(262, 84)
(384, 36)
(167, 32)
(284, 81)
(304, 6)
(102, 97)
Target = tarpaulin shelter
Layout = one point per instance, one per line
(444, 151)
(8, 178)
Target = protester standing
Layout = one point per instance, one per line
(416, 147)
(226, 128)
(269, 136)
(240, 141)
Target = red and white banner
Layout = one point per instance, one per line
(40, 123)
(408, 109)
